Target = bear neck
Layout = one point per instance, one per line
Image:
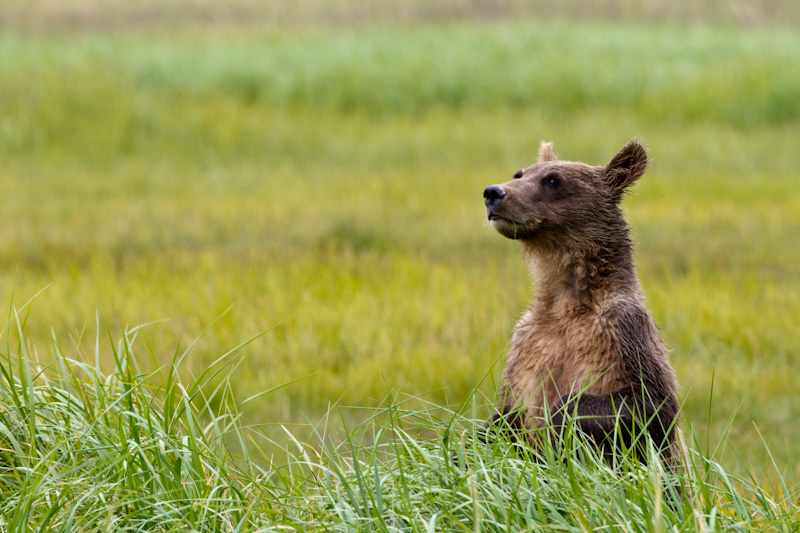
(582, 278)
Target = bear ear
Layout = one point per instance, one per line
(546, 153)
(627, 166)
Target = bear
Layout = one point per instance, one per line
(586, 350)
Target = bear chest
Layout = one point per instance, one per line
(551, 356)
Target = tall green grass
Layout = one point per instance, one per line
(83, 449)
(134, 449)
(326, 183)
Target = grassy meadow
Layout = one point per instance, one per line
(323, 183)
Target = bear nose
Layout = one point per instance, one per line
(493, 195)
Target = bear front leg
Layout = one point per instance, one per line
(614, 420)
(505, 418)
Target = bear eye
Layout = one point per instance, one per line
(517, 174)
(551, 182)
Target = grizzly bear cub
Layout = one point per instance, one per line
(586, 350)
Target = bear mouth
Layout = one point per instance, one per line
(502, 224)
(491, 216)
(510, 228)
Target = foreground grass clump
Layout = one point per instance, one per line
(81, 449)
(84, 449)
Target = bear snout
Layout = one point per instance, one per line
(493, 195)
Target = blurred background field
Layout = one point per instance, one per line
(319, 167)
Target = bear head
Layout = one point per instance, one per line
(558, 203)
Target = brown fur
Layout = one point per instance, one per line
(587, 345)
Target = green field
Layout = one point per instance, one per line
(325, 181)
